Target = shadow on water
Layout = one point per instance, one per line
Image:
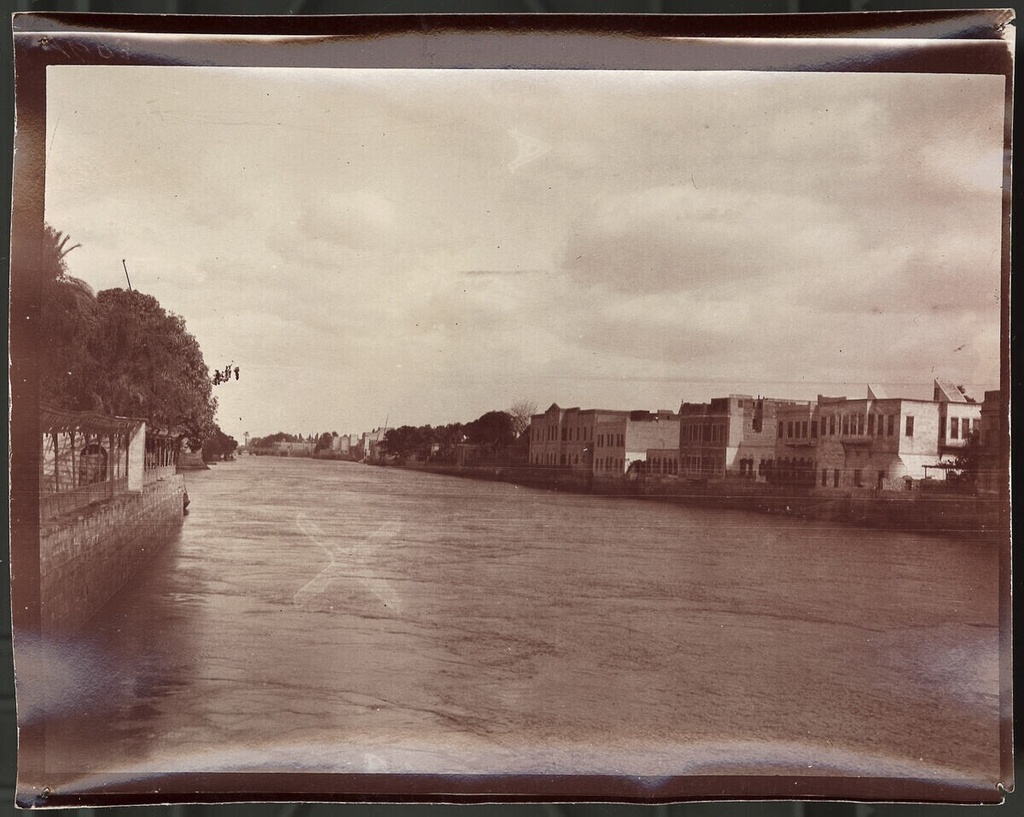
(115, 676)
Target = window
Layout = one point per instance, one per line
(803, 428)
(824, 477)
(910, 425)
(846, 424)
(857, 478)
(780, 428)
(789, 428)
(835, 477)
(881, 480)
(832, 424)
(966, 428)
(890, 425)
(871, 425)
(814, 428)
(954, 428)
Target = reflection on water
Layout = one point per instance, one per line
(338, 617)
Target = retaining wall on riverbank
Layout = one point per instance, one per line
(933, 513)
(86, 557)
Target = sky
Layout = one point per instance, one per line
(422, 246)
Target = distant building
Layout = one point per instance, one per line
(623, 441)
(341, 444)
(882, 442)
(566, 437)
(736, 436)
(370, 443)
(294, 449)
(661, 462)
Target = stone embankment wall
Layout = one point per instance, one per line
(920, 511)
(86, 557)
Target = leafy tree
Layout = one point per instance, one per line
(149, 365)
(279, 437)
(447, 437)
(968, 461)
(119, 352)
(493, 430)
(406, 441)
(67, 321)
(323, 443)
(218, 446)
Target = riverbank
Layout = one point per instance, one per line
(923, 511)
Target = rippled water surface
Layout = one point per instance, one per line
(334, 616)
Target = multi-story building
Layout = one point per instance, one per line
(735, 436)
(623, 440)
(566, 437)
(882, 442)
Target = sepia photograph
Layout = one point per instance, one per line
(434, 425)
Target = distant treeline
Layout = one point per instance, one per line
(491, 436)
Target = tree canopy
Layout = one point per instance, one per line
(218, 446)
(67, 322)
(119, 352)
(494, 430)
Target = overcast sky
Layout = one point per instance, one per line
(425, 246)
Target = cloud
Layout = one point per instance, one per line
(677, 238)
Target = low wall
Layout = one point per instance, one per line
(85, 558)
(549, 478)
(900, 510)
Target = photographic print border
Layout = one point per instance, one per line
(911, 42)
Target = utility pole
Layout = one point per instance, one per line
(125, 265)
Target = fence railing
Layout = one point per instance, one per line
(89, 457)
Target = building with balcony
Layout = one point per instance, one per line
(886, 443)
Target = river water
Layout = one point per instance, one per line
(330, 616)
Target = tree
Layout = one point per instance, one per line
(447, 437)
(405, 441)
(218, 446)
(67, 321)
(522, 412)
(963, 390)
(968, 461)
(493, 430)
(148, 365)
(118, 352)
(324, 442)
(270, 440)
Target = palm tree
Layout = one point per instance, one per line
(67, 315)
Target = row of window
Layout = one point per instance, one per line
(609, 464)
(611, 440)
(703, 465)
(845, 425)
(661, 465)
(705, 432)
(962, 426)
